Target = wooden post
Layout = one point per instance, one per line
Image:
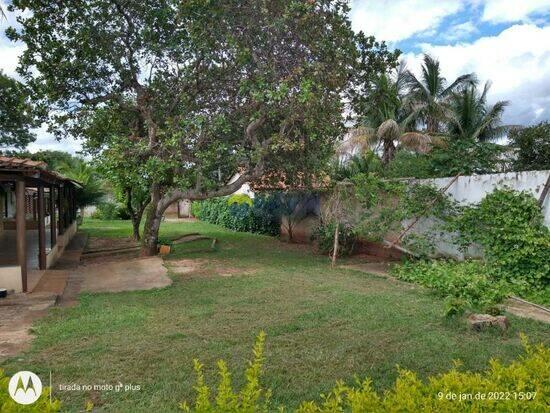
(21, 242)
(41, 228)
(60, 192)
(53, 226)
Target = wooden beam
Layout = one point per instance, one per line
(21, 242)
(53, 225)
(60, 191)
(41, 229)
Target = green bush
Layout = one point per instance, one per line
(110, 211)
(324, 236)
(516, 243)
(240, 199)
(462, 284)
(42, 405)
(522, 386)
(260, 217)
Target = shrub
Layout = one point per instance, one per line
(42, 405)
(462, 284)
(324, 236)
(240, 199)
(521, 386)
(110, 211)
(260, 217)
(516, 243)
(250, 399)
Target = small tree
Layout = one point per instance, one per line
(342, 209)
(292, 208)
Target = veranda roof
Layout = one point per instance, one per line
(32, 169)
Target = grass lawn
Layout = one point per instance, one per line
(322, 325)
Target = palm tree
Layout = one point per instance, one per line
(431, 93)
(472, 118)
(388, 122)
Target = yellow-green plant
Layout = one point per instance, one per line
(250, 399)
(42, 405)
(521, 386)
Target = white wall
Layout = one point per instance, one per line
(472, 189)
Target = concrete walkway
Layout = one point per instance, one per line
(126, 275)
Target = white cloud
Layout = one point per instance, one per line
(517, 61)
(501, 11)
(46, 141)
(9, 55)
(459, 31)
(394, 20)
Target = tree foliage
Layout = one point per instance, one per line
(218, 87)
(532, 146)
(17, 116)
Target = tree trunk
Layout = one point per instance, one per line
(152, 224)
(335, 248)
(135, 228)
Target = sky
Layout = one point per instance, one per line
(504, 41)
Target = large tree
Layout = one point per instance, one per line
(16, 114)
(221, 87)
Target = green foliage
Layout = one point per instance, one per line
(240, 199)
(516, 243)
(252, 398)
(110, 211)
(467, 157)
(521, 386)
(532, 146)
(260, 217)
(407, 164)
(324, 236)
(463, 284)
(16, 114)
(42, 405)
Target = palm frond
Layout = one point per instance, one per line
(357, 139)
(416, 141)
(467, 80)
(388, 130)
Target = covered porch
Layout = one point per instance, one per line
(37, 220)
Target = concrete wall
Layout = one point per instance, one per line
(472, 189)
(469, 190)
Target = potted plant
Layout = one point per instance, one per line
(165, 246)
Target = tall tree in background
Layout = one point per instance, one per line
(532, 147)
(433, 93)
(388, 119)
(16, 114)
(472, 118)
(220, 86)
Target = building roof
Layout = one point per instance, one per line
(33, 169)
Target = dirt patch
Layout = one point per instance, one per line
(127, 275)
(188, 266)
(96, 243)
(525, 310)
(17, 313)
